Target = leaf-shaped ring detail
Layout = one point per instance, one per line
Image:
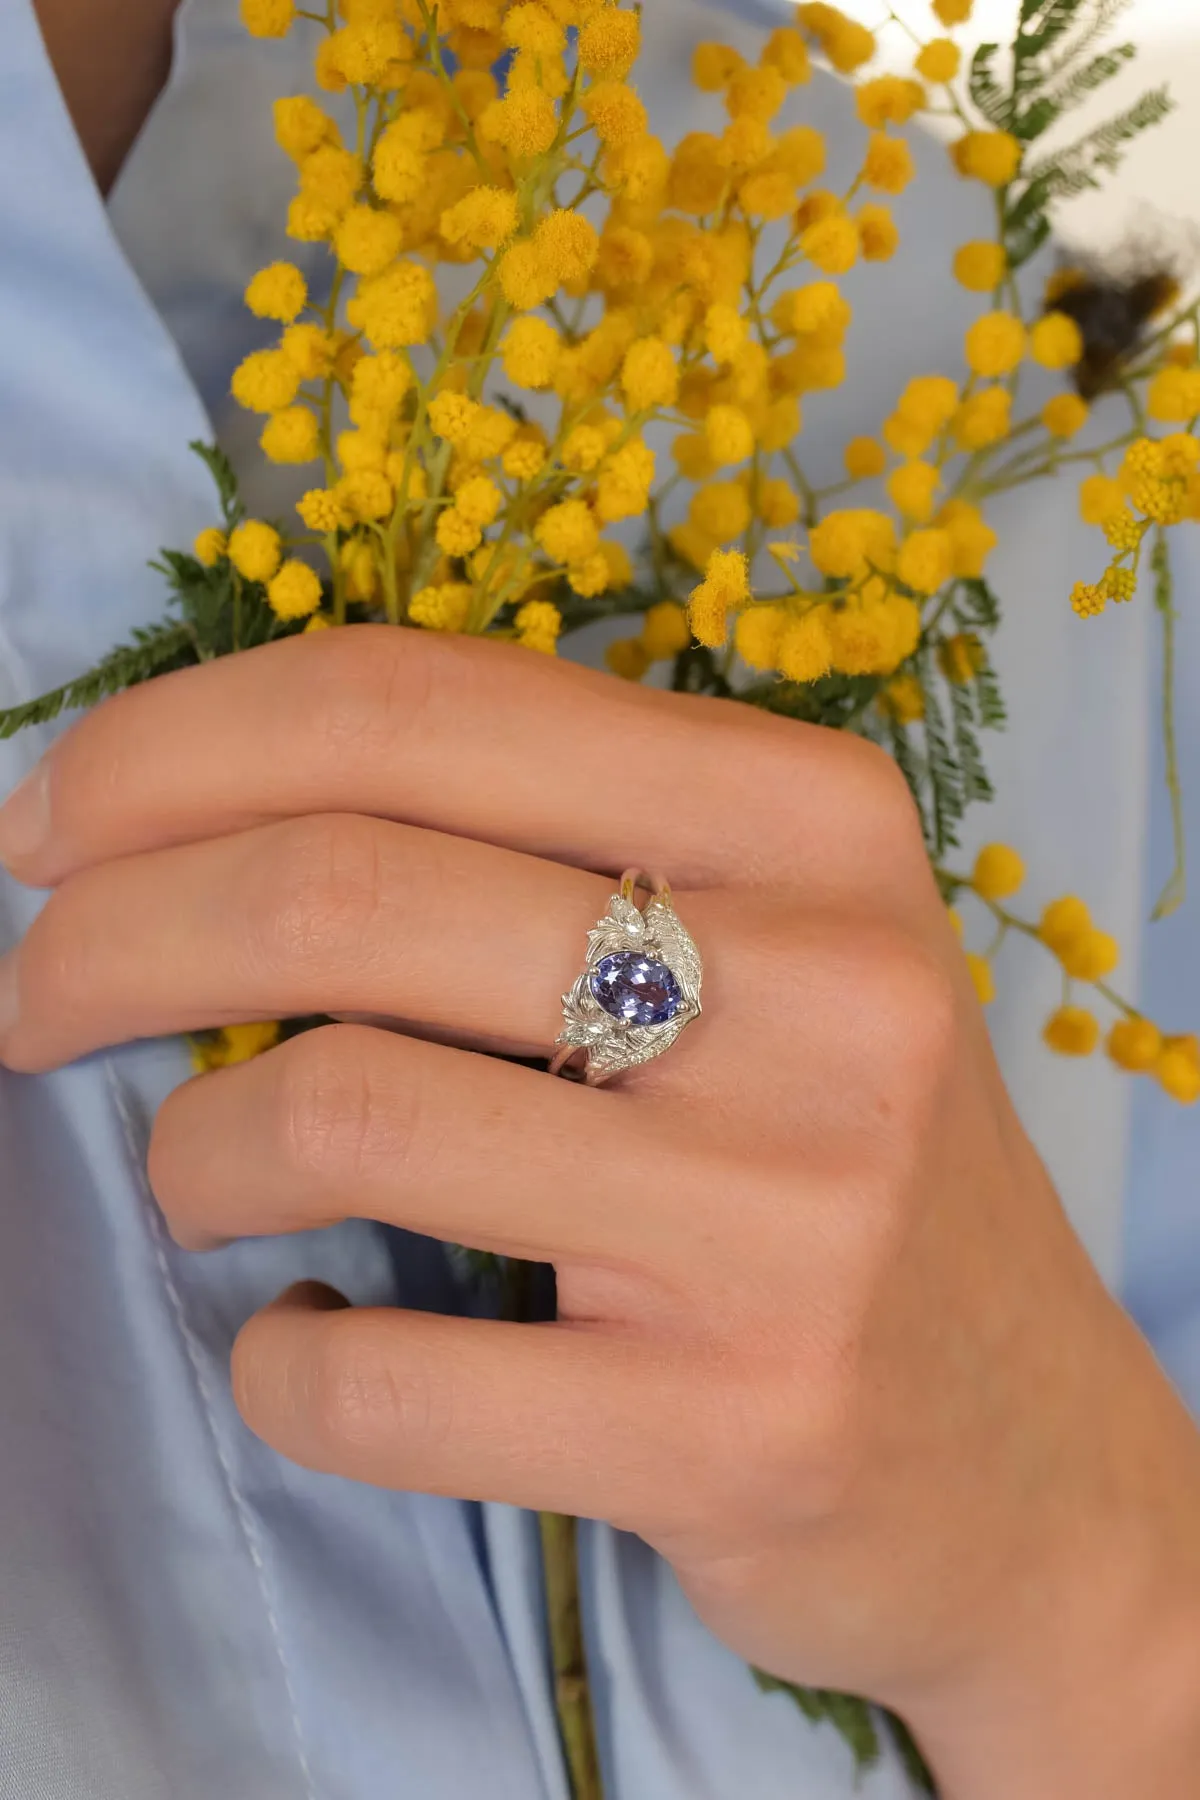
(638, 989)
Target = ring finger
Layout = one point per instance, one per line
(467, 1148)
(341, 914)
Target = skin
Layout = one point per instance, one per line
(826, 1339)
(111, 58)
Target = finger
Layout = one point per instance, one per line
(479, 739)
(331, 914)
(454, 1146)
(543, 1416)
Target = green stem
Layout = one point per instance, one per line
(560, 1563)
(572, 1695)
(1174, 892)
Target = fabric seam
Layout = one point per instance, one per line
(241, 1506)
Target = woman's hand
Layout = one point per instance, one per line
(826, 1339)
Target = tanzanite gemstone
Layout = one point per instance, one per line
(636, 989)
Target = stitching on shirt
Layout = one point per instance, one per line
(241, 1507)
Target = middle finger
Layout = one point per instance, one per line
(336, 913)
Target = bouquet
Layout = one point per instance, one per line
(557, 375)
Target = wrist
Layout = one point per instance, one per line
(1086, 1681)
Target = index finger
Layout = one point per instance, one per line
(481, 740)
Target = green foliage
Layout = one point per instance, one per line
(577, 612)
(913, 1763)
(993, 714)
(224, 480)
(697, 671)
(986, 93)
(1091, 29)
(1026, 228)
(217, 613)
(154, 651)
(944, 783)
(856, 1722)
(476, 1265)
(1175, 892)
(1055, 67)
(969, 757)
(908, 762)
(974, 606)
(223, 612)
(1073, 171)
(839, 701)
(1048, 108)
(1042, 24)
(1090, 76)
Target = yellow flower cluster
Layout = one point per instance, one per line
(479, 448)
(1157, 484)
(1085, 954)
(232, 1044)
(440, 506)
(1134, 1043)
(631, 311)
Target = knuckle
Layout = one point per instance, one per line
(353, 1394)
(878, 791)
(333, 1123)
(906, 997)
(923, 1011)
(320, 890)
(826, 1451)
(856, 796)
(361, 1392)
(795, 1426)
(372, 694)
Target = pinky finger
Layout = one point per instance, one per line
(549, 1417)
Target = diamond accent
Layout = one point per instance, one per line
(639, 962)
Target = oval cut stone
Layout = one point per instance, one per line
(636, 989)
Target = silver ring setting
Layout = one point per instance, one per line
(639, 988)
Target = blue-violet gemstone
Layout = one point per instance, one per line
(636, 989)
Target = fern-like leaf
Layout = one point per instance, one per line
(993, 714)
(1091, 31)
(853, 1719)
(153, 652)
(1076, 169)
(856, 1723)
(915, 1766)
(224, 479)
(1092, 75)
(1023, 239)
(976, 783)
(976, 607)
(1043, 23)
(986, 93)
(906, 761)
(1048, 108)
(946, 802)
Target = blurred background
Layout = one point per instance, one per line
(1158, 183)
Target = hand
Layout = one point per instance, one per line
(826, 1339)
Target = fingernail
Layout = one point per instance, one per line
(25, 816)
(8, 993)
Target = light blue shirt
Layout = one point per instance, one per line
(183, 1615)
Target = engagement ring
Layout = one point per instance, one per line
(639, 988)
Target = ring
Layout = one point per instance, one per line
(639, 989)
